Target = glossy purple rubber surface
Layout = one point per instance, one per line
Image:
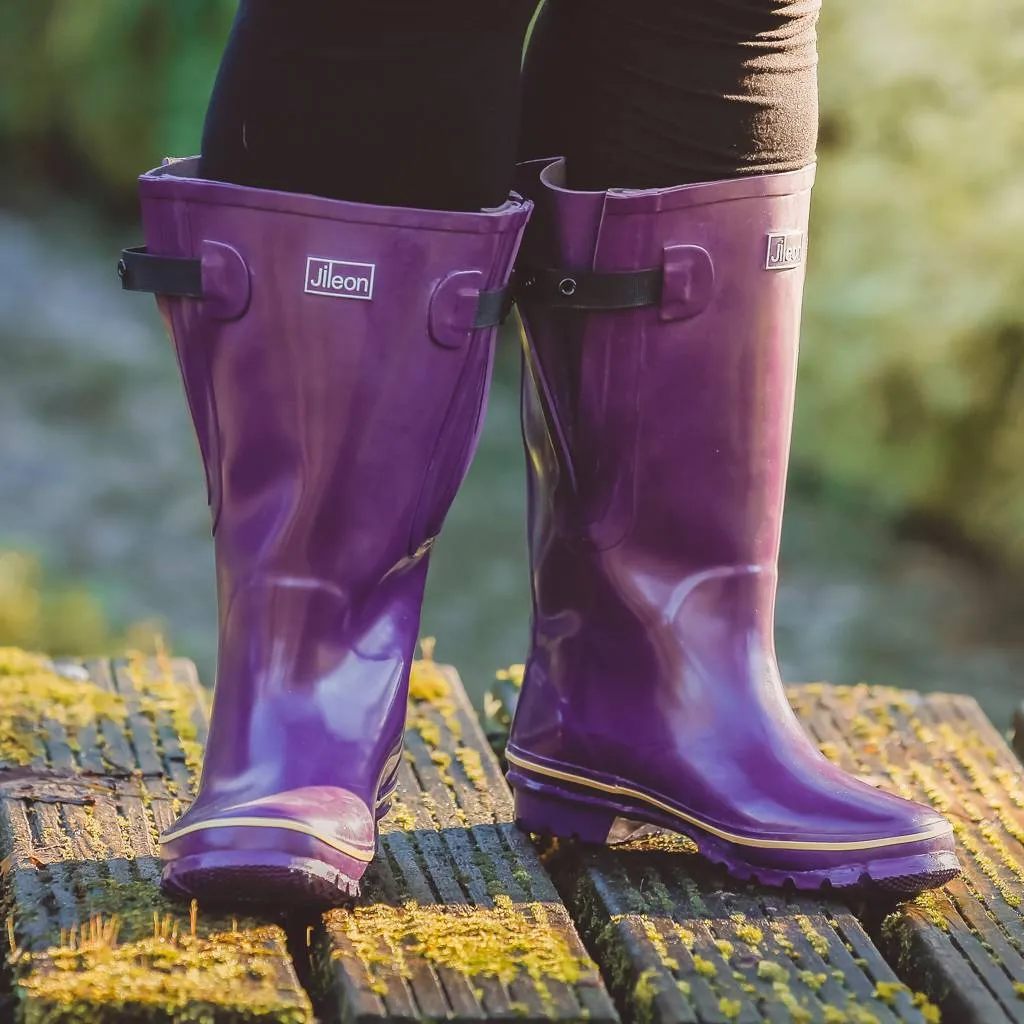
(337, 385)
(905, 869)
(657, 443)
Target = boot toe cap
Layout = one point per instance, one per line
(309, 845)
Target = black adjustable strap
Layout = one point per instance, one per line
(141, 271)
(590, 290)
(493, 308)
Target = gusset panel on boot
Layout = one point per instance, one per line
(660, 353)
(336, 358)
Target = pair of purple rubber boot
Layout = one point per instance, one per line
(336, 360)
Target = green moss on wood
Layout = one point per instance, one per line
(704, 967)
(645, 991)
(94, 977)
(32, 691)
(400, 817)
(160, 696)
(134, 955)
(730, 1008)
(506, 942)
(472, 766)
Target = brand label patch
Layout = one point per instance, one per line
(339, 278)
(785, 251)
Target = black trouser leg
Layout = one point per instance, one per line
(391, 102)
(655, 93)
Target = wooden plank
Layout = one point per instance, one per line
(94, 761)
(459, 919)
(964, 944)
(677, 941)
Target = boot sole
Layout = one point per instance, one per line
(540, 810)
(259, 879)
(270, 872)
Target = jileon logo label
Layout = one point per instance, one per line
(785, 250)
(339, 278)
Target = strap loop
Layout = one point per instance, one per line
(493, 308)
(141, 271)
(588, 290)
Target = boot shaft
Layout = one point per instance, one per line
(331, 368)
(336, 363)
(658, 440)
(667, 428)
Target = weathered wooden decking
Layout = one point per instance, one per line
(963, 944)
(94, 761)
(459, 921)
(461, 918)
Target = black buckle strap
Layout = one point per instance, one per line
(589, 290)
(494, 308)
(141, 271)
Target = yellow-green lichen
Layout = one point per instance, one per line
(655, 938)
(812, 980)
(523, 879)
(817, 941)
(897, 927)
(750, 934)
(798, 1014)
(771, 971)
(645, 991)
(831, 751)
(492, 882)
(429, 689)
(928, 1009)
(472, 766)
(400, 817)
(180, 977)
(861, 1015)
(656, 893)
(429, 731)
(660, 842)
(160, 696)
(514, 674)
(729, 1008)
(443, 760)
(657, 942)
(932, 905)
(137, 955)
(31, 692)
(1010, 894)
(725, 947)
(704, 967)
(503, 942)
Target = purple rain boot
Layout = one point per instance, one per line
(657, 409)
(336, 358)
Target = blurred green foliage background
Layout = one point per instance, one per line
(61, 618)
(911, 377)
(103, 85)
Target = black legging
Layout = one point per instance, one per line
(417, 103)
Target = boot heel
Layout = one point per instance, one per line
(551, 815)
